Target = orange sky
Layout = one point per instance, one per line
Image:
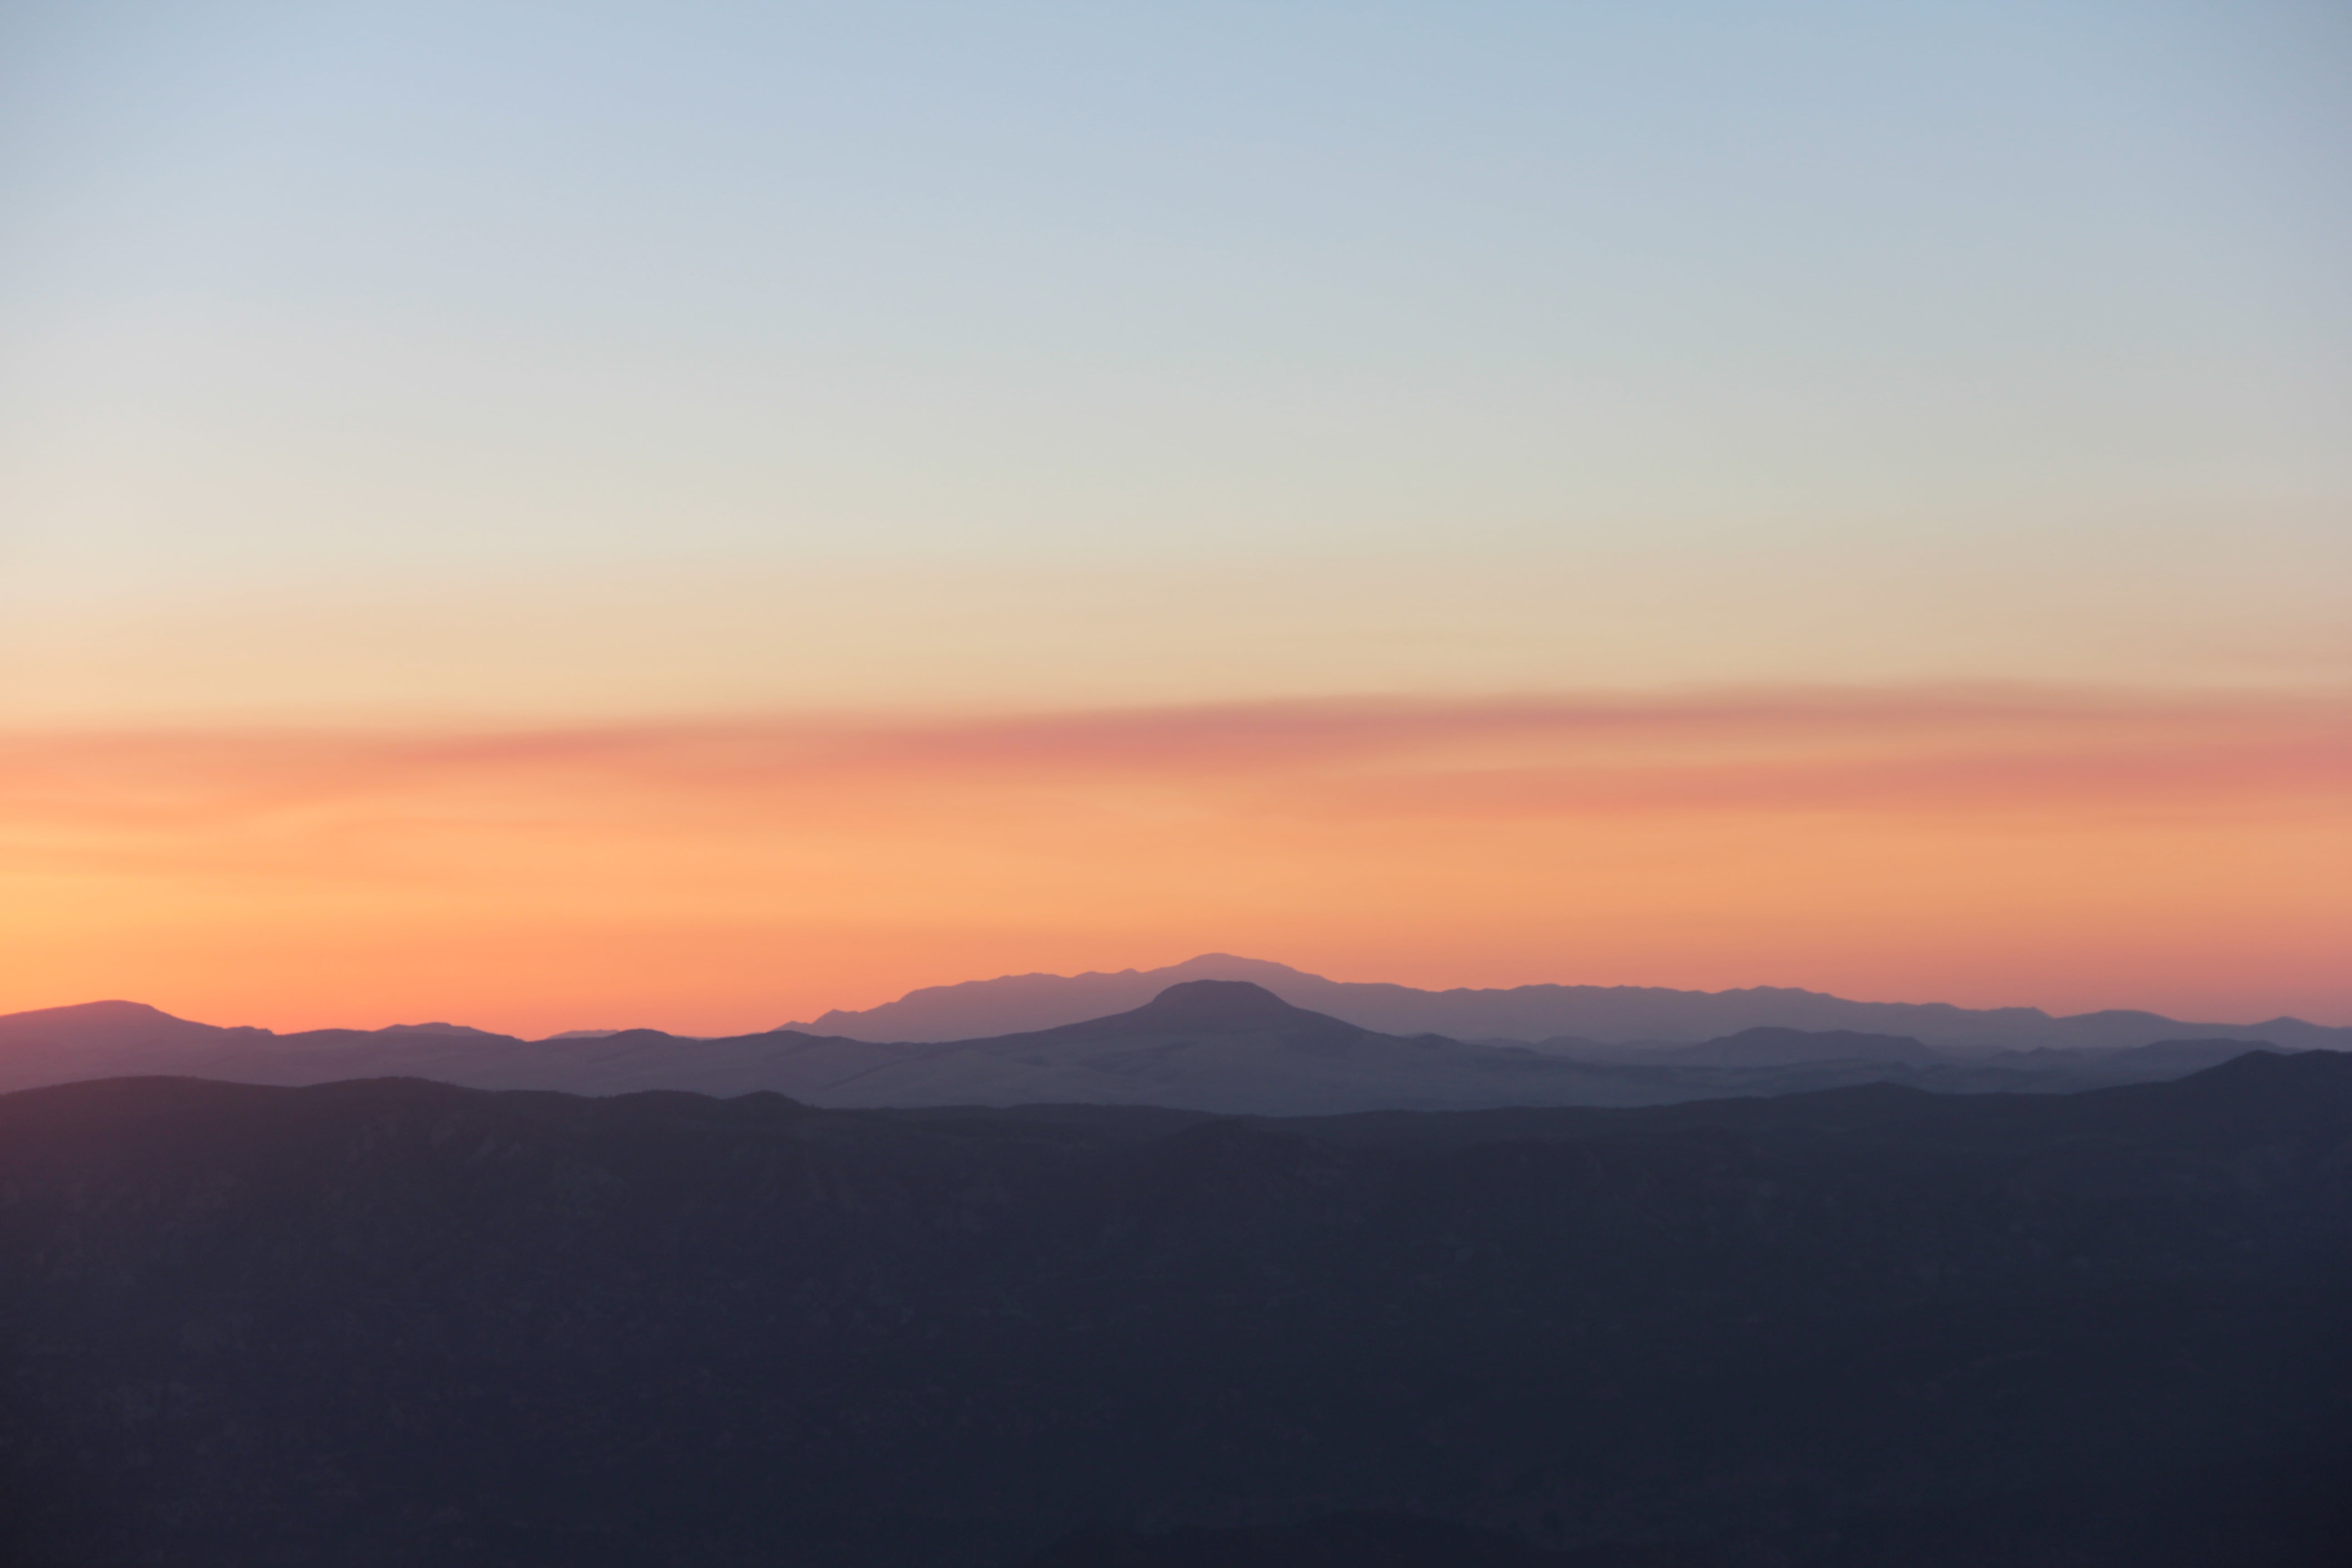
(2066, 847)
(630, 523)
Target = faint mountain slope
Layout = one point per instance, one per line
(1767, 1047)
(1021, 1003)
(102, 1025)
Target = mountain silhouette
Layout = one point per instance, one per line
(1214, 1006)
(1532, 1014)
(1768, 1046)
(1202, 1044)
(103, 1026)
(1227, 1046)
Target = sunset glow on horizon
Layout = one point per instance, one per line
(694, 516)
(1989, 846)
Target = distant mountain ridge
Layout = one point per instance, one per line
(1015, 1003)
(1229, 1046)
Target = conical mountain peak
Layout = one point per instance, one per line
(1197, 1004)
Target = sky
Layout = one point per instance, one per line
(693, 515)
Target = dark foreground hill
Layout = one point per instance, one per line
(395, 1322)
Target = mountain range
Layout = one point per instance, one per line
(1529, 1013)
(1225, 1045)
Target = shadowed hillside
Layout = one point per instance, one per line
(396, 1323)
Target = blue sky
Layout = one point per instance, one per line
(374, 305)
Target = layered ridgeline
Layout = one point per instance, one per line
(1227, 1046)
(1530, 1013)
(396, 1323)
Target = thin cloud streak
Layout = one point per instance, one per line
(1942, 749)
